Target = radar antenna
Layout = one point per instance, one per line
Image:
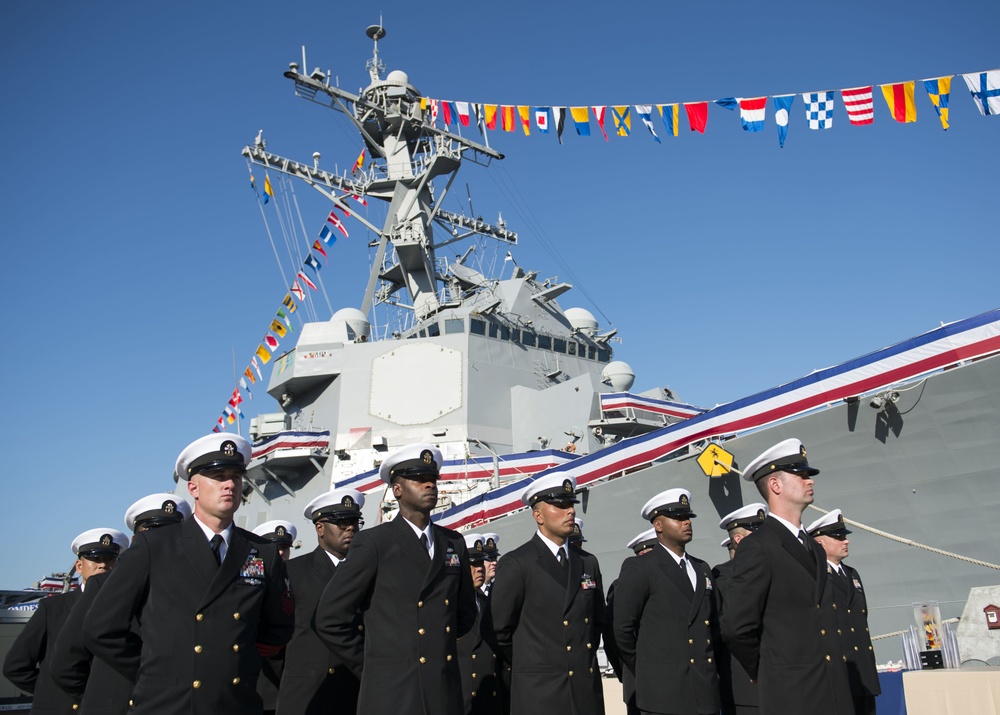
(375, 66)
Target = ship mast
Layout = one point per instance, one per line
(408, 153)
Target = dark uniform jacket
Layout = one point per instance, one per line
(735, 686)
(861, 666)
(314, 681)
(413, 608)
(89, 681)
(665, 632)
(548, 627)
(780, 623)
(481, 686)
(625, 676)
(200, 623)
(28, 660)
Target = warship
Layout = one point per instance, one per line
(510, 384)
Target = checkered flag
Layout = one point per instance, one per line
(819, 109)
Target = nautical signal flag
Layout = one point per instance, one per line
(819, 109)
(899, 97)
(599, 116)
(859, 105)
(268, 191)
(249, 374)
(938, 90)
(263, 354)
(782, 106)
(272, 342)
(524, 113)
(305, 279)
(463, 113)
(542, 119)
(281, 314)
(581, 120)
(245, 386)
(560, 118)
(645, 112)
(230, 415)
(278, 328)
(289, 303)
(326, 236)
(360, 161)
(622, 120)
(312, 263)
(318, 247)
(256, 367)
(985, 89)
(670, 113)
(507, 118)
(297, 291)
(752, 113)
(697, 115)
(491, 115)
(447, 113)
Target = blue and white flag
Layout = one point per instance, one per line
(645, 111)
(985, 88)
(819, 109)
(312, 263)
(729, 103)
(782, 105)
(752, 113)
(542, 119)
(326, 236)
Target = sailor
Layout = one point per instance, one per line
(211, 597)
(314, 680)
(282, 534)
(665, 613)
(95, 685)
(492, 545)
(779, 618)
(639, 544)
(29, 659)
(476, 659)
(831, 532)
(548, 610)
(576, 538)
(739, 693)
(410, 579)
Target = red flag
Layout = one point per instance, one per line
(858, 103)
(599, 114)
(361, 160)
(318, 247)
(446, 113)
(697, 115)
(272, 342)
(305, 279)
(360, 199)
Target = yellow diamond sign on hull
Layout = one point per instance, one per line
(715, 461)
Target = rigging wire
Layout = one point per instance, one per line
(308, 246)
(267, 227)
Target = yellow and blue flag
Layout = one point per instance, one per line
(268, 191)
(581, 119)
(938, 90)
(670, 116)
(623, 122)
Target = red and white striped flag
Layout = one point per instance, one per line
(858, 102)
(305, 279)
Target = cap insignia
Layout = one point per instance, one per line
(802, 451)
(106, 540)
(281, 531)
(426, 456)
(567, 485)
(478, 546)
(576, 530)
(840, 518)
(491, 544)
(684, 500)
(761, 515)
(228, 448)
(347, 502)
(169, 507)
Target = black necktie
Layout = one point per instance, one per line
(561, 557)
(684, 574)
(423, 542)
(216, 546)
(805, 542)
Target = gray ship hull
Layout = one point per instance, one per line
(925, 472)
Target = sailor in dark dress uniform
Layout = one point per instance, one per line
(410, 580)
(831, 533)
(639, 544)
(665, 618)
(780, 617)
(315, 681)
(481, 693)
(739, 693)
(211, 598)
(282, 534)
(548, 610)
(29, 659)
(95, 685)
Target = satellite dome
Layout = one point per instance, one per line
(583, 320)
(398, 77)
(619, 375)
(355, 323)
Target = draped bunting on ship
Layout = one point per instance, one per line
(818, 107)
(280, 323)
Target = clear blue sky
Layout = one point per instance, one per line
(135, 260)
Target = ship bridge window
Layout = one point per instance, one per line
(423, 333)
(571, 348)
(504, 332)
(544, 342)
(433, 330)
(477, 327)
(493, 330)
(559, 345)
(515, 335)
(454, 325)
(592, 352)
(528, 339)
(604, 355)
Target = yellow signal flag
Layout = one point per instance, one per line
(715, 461)
(278, 328)
(264, 354)
(289, 303)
